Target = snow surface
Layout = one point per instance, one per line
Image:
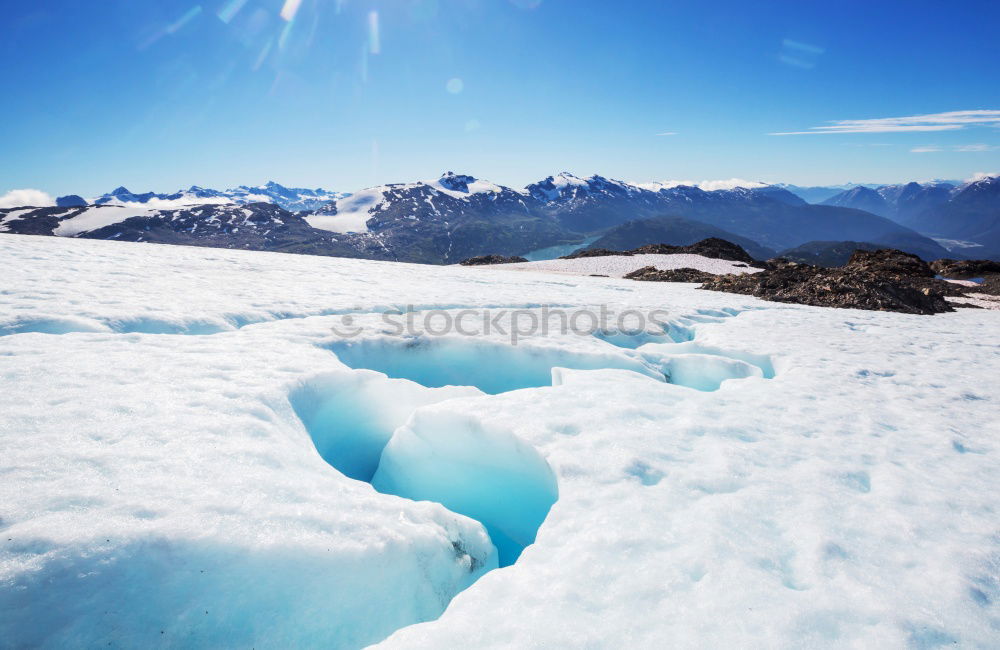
(185, 201)
(753, 475)
(477, 186)
(352, 212)
(617, 266)
(98, 216)
(958, 244)
(982, 300)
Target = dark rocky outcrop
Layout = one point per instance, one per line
(883, 280)
(891, 263)
(990, 285)
(827, 253)
(675, 231)
(593, 252)
(652, 274)
(965, 269)
(482, 260)
(985, 272)
(712, 247)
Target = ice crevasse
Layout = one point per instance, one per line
(399, 436)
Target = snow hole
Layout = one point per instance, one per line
(372, 428)
(704, 367)
(491, 367)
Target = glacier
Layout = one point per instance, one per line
(192, 456)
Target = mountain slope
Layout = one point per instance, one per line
(256, 226)
(901, 202)
(972, 214)
(911, 199)
(416, 223)
(770, 216)
(826, 253)
(445, 220)
(861, 198)
(777, 225)
(815, 193)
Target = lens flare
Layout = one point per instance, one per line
(229, 10)
(289, 9)
(374, 46)
(286, 33)
(263, 55)
(454, 86)
(188, 16)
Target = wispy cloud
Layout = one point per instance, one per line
(668, 133)
(26, 197)
(961, 148)
(796, 62)
(798, 54)
(799, 46)
(950, 121)
(969, 148)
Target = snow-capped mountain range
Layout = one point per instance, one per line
(900, 202)
(294, 199)
(964, 215)
(455, 216)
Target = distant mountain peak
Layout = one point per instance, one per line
(456, 182)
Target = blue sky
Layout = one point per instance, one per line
(162, 94)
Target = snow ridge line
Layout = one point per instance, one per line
(61, 324)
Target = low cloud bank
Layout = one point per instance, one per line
(26, 197)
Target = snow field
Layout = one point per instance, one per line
(617, 266)
(843, 496)
(99, 216)
(160, 490)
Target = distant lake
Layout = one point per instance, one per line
(552, 252)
